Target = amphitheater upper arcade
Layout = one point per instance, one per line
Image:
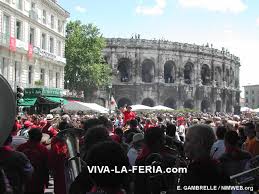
(177, 75)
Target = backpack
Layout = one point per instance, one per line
(5, 187)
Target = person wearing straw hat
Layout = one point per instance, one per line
(138, 140)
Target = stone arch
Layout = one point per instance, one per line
(189, 104)
(218, 106)
(188, 73)
(171, 103)
(205, 74)
(148, 102)
(169, 72)
(124, 69)
(218, 77)
(148, 71)
(124, 101)
(205, 105)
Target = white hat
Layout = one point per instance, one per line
(138, 137)
(49, 117)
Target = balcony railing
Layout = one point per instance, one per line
(4, 39)
(33, 15)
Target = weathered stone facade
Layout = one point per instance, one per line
(155, 72)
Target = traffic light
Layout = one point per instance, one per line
(19, 94)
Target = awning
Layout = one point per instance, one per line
(56, 100)
(28, 102)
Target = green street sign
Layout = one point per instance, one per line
(35, 92)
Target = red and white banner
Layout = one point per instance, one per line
(30, 51)
(12, 46)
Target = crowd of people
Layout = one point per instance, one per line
(212, 147)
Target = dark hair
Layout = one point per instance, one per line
(220, 132)
(104, 120)
(118, 131)
(129, 137)
(133, 123)
(159, 119)
(170, 130)
(8, 140)
(153, 136)
(231, 137)
(108, 154)
(95, 135)
(90, 123)
(35, 134)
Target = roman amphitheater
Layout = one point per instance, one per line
(177, 75)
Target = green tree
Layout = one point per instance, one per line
(85, 70)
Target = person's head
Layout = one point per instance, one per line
(129, 108)
(112, 155)
(159, 118)
(250, 130)
(35, 135)
(133, 123)
(27, 124)
(90, 123)
(49, 118)
(231, 139)
(109, 126)
(95, 135)
(138, 140)
(220, 132)
(198, 142)
(170, 130)
(118, 131)
(154, 138)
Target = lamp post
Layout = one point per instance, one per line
(110, 96)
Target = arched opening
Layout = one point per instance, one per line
(189, 104)
(148, 71)
(229, 106)
(124, 66)
(188, 73)
(218, 78)
(123, 102)
(169, 72)
(171, 103)
(232, 76)
(100, 101)
(227, 79)
(218, 106)
(148, 102)
(205, 105)
(205, 74)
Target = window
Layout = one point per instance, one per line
(30, 74)
(59, 48)
(43, 41)
(50, 78)
(246, 100)
(52, 22)
(253, 100)
(6, 25)
(4, 71)
(32, 36)
(33, 5)
(19, 30)
(17, 66)
(57, 80)
(51, 45)
(246, 92)
(19, 4)
(44, 16)
(42, 75)
(60, 26)
(253, 92)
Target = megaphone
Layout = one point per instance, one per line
(7, 109)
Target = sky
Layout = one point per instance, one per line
(232, 24)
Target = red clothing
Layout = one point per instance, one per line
(57, 159)
(48, 129)
(128, 115)
(38, 156)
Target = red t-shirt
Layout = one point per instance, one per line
(128, 115)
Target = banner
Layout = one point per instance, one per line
(30, 51)
(12, 44)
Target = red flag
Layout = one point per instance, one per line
(30, 50)
(12, 44)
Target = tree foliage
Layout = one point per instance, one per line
(85, 70)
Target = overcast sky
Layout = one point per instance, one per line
(233, 24)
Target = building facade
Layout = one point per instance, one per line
(155, 72)
(32, 42)
(251, 96)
